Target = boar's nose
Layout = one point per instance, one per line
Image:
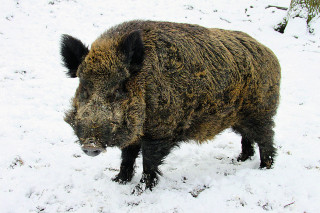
(91, 153)
(90, 148)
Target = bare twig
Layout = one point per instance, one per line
(278, 7)
(225, 20)
(289, 204)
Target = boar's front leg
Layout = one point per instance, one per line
(247, 149)
(153, 154)
(128, 155)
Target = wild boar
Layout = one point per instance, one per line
(147, 85)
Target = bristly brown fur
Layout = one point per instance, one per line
(150, 85)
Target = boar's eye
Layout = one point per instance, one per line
(86, 86)
(84, 94)
(120, 91)
(117, 93)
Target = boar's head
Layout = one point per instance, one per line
(108, 108)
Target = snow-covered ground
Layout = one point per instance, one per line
(43, 170)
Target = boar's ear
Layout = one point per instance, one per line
(133, 48)
(72, 52)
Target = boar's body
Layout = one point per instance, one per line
(179, 82)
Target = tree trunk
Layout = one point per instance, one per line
(306, 9)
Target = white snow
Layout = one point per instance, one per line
(43, 170)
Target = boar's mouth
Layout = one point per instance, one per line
(92, 147)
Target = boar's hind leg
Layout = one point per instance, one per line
(128, 155)
(266, 149)
(259, 131)
(153, 153)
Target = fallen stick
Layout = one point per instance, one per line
(278, 7)
(289, 204)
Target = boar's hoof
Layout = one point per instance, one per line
(266, 164)
(138, 189)
(244, 156)
(123, 177)
(148, 181)
(119, 180)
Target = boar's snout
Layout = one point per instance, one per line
(91, 153)
(91, 147)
